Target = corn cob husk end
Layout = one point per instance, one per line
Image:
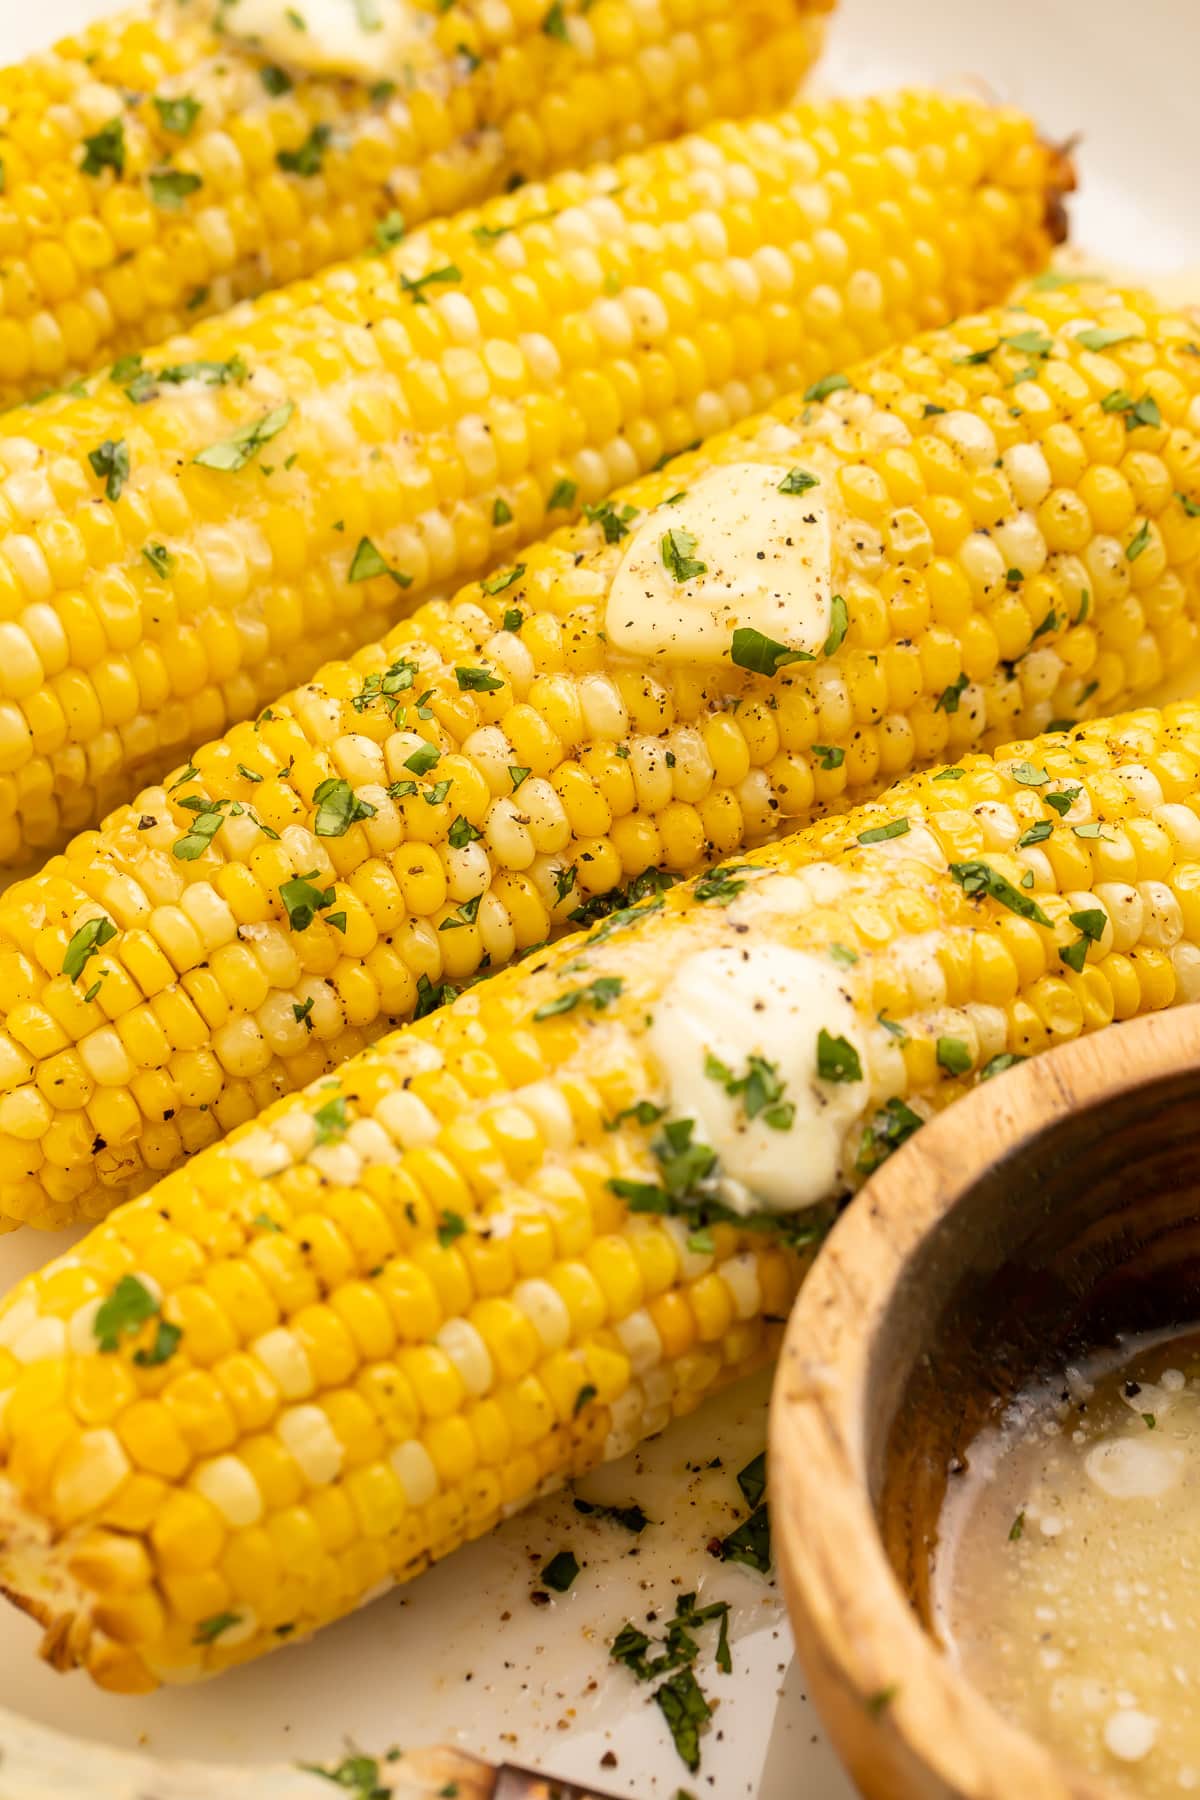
(1061, 180)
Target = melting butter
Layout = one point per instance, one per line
(1067, 1581)
(372, 40)
(737, 1001)
(766, 561)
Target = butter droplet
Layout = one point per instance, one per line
(1130, 1735)
(1126, 1469)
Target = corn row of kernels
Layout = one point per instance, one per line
(210, 176)
(392, 1288)
(360, 1376)
(414, 434)
(455, 794)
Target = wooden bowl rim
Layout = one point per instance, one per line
(897, 1707)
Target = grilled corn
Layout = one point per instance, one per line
(1004, 546)
(203, 525)
(520, 1234)
(156, 170)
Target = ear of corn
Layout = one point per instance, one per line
(201, 526)
(459, 793)
(156, 171)
(482, 1256)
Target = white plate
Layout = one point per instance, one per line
(439, 1661)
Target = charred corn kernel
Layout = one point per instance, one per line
(157, 170)
(268, 495)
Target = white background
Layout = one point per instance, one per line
(437, 1662)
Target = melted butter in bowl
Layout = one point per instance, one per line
(1067, 1579)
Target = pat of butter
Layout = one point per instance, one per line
(767, 560)
(765, 1000)
(369, 39)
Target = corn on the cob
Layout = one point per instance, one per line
(458, 793)
(522, 1232)
(156, 171)
(200, 528)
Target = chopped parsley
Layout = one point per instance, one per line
(275, 80)
(829, 756)
(1139, 543)
(415, 286)
(1062, 802)
(1090, 924)
(630, 1518)
(680, 1697)
(947, 701)
(760, 1090)
(554, 24)
(169, 188)
(451, 1225)
(837, 1059)
(880, 834)
(477, 681)
(719, 884)
(110, 462)
(86, 943)
(517, 775)
(338, 808)
(462, 833)
(598, 994)
(614, 521)
(307, 158)
(1105, 337)
(161, 1347)
(210, 1629)
(753, 1479)
(331, 1121)
(561, 1571)
(159, 558)
(389, 231)
(303, 901)
(105, 149)
(430, 998)
(760, 654)
(996, 1065)
(953, 1055)
(177, 115)
(750, 1542)
(563, 495)
(676, 546)
(839, 624)
(828, 384)
(235, 452)
(978, 878)
(1037, 834)
(1029, 774)
(367, 563)
(892, 1126)
(422, 760)
(496, 584)
(209, 816)
(798, 481)
(127, 1308)
(501, 512)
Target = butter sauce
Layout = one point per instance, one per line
(1067, 1580)
(371, 40)
(761, 1000)
(754, 556)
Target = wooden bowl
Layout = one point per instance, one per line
(1035, 1218)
